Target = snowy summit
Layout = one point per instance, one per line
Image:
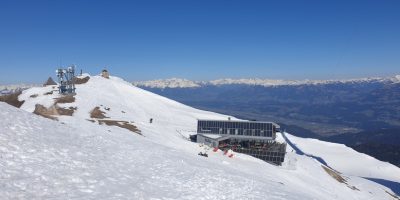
(99, 144)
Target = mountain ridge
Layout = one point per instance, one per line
(185, 83)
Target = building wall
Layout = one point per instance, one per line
(244, 130)
(207, 141)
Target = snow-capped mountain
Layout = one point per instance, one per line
(100, 145)
(9, 89)
(184, 83)
(169, 83)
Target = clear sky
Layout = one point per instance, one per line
(200, 40)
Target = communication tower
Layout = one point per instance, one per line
(66, 79)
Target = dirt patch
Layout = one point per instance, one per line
(66, 111)
(336, 175)
(121, 124)
(48, 93)
(53, 111)
(97, 113)
(81, 80)
(45, 112)
(12, 99)
(33, 96)
(65, 99)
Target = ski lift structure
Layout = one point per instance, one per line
(66, 80)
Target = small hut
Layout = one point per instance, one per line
(49, 81)
(105, 73)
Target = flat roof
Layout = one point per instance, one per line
(214, 136)
(243, 121)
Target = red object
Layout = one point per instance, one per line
(215, 149)
(230, 156)
(225, 152)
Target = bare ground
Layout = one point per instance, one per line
(81, 80)
(336, 175)
(12, 99)
(65, 99)
(121, 124)
(97, 113)
(48, 93)
(53, 111)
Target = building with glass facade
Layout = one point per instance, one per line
(241, 130)
(248, 137)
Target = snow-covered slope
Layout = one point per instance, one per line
(77, 158)
(184, 83)
(346, 160)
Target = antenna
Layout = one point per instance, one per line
(66, 78)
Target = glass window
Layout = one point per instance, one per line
(248, 132)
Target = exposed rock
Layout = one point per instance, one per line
(45, 112)
(336, 175)
(65, 99)
(33, 96)
(48, 93)
(81, 80)
(97, 113)
(53, 111)
(12, 99)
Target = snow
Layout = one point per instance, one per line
(74, 158)
(184, 83)
(396, 79)
(213, 136)
(20, 86)
(168, 83)
(337, 156)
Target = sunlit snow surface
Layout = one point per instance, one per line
(76, 159)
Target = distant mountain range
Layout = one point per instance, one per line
(361, 113)
(185, 83)
(13, 88)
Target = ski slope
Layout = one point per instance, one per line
(74, 158)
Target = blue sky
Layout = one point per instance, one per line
(200, 40)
